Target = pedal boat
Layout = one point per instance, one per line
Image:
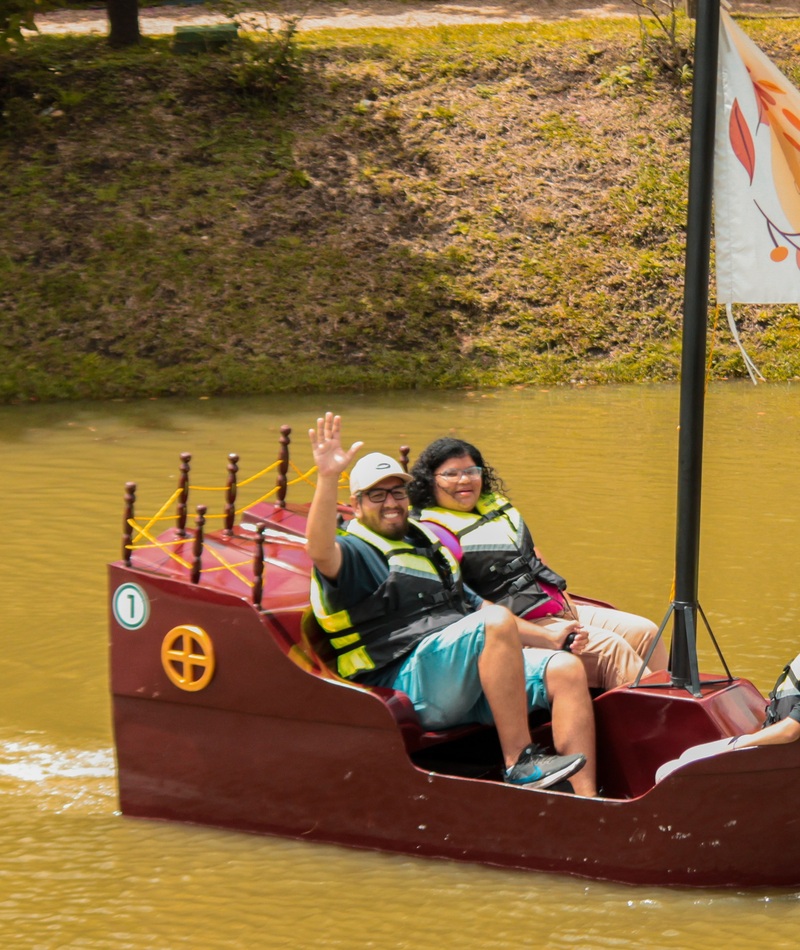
(226, 713)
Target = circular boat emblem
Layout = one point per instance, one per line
(187, 655)
(131, 606)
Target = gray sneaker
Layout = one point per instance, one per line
(536, 769)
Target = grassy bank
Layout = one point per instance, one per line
(446, 207)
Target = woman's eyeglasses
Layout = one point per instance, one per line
(378, 495)
(455, 474)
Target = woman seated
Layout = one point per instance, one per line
(457, 495)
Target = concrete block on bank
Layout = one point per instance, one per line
(203, 39)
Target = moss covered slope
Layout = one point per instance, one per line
(445, 207)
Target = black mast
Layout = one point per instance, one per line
(683, 656)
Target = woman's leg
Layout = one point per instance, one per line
(638, 632)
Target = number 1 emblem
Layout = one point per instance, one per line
(131, 606)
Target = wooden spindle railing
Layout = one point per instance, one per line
(258, 565)
(283, 465)
(127, 528)
(230, 494)
(183, 497)
(197, 562)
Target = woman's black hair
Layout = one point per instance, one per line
(421, 490)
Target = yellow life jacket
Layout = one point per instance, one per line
(499, 558)
(421, 595)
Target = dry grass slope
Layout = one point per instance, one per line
(455, 206)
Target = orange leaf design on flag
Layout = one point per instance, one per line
(786, 164)
(762, 93)
(791, 117)
(792, 141)
(742, 140)
(764, 103)
(782, 121)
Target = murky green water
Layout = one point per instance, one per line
(594, 472)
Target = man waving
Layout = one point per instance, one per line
(391, 601)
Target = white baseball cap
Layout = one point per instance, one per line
(372, 469)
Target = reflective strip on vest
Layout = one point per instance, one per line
(355, 661)
(504, 532)
(499, 558)
(425, 593)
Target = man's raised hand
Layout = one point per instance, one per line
(329, 456)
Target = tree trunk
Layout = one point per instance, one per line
(123, 22)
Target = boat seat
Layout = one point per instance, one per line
(317, 649)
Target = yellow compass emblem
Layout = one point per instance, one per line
(187, 655)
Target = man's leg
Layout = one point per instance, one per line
(473, 671)
(572, 717)
(502, 674)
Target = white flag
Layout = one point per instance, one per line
(756, 176)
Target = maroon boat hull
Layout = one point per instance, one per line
(269, 747)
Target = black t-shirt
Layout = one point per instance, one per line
(363, 571)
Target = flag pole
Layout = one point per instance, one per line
(683, 655)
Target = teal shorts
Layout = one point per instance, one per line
(440, 676)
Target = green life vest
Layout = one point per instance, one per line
(421, 595)
(499, 558)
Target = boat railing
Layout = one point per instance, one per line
(188, 549)
(141, 534)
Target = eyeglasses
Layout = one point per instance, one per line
(455, 474)
(378, 495)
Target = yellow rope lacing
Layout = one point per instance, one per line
(143, 537)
